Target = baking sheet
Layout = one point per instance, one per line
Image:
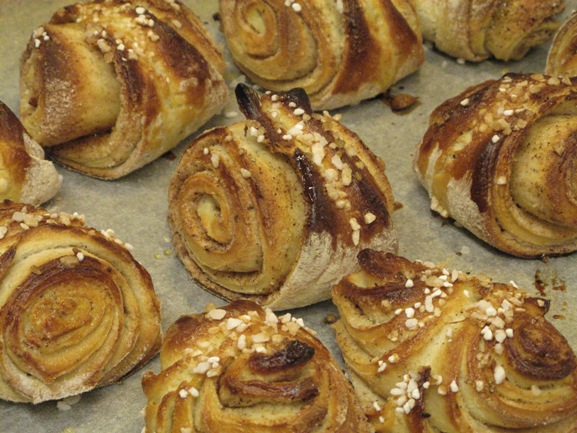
(135, 207)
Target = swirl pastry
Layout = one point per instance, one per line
(77, 311)
(476, 30)
(25, 175)
(339, 52)
(501, 159)
(241, 368)
(435, 350)
(275, 208)
(562, 56)
(110, 85)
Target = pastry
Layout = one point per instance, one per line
(476, 30)
(25, 175)
(110, 85)
(436, 350)
(77, 311)
(339, 52)
(562, 55)
(276, 207)
(240, 368)
(501, 160)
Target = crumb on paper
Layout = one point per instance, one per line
(400, 101)
(330, 318)
(66, 404)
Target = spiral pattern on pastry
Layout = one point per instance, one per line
(25, 175)
(275, 208)
(562, 55)
(240, 368)
(77, 311)
(339, 52)
(501, 159)
(476, 30)
(431, 349)
(110, 85)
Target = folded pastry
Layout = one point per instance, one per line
(77, 311)
(275, 208)
(241, 368)
(25, 175)
(340, 52)
(108, 86)
(562, 55)
(476, 30)
(435, 350)
(501, 159)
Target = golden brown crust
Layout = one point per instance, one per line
(276, 208)
(476, 30)
(501, 159)
(431, 349)
(110, 85)
(15, 159)
(77, 311)
(240, 368)
(339, 52)
(25, 175)
(562, 56)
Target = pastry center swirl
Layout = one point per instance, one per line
(55, 314)
(61, 316)
(540, 351)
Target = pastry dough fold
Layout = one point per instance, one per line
(240, 368)
(562, 55)
(25, 175)
(501, 159)
(476, 30)
(340, 52)
(276, 208)
(108, 86)
(442, 351)
(76, 310)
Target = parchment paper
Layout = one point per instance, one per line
(135, 207)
